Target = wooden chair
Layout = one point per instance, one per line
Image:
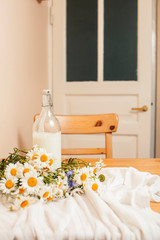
(89, 124)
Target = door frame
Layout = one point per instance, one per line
(158, 83)
(153, 90)
(154, 101)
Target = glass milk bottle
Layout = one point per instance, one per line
(46, 129)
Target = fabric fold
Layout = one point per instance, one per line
(120, 211)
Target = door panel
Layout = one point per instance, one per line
(81, 43)
(120, 40)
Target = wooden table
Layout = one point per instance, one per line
(151, 165)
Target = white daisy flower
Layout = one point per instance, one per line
(25, 169)
(82, 176)
(21, 191)
(51, 163)
(47, 161)
(39, 158)
(43, 160)
(95, 185)
(12, 170)
(51, 197)
(44, 193)
(92, 171)
(100, 164)
(31, 182)
(8, 185)
(58, 192)
(34, 153)
(98, 167)
(62, 182)
(22, 202)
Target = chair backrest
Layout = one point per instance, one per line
(89, 124)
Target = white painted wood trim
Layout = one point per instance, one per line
(158, 83)
(59, 54)
(153, 86)
(100, 36)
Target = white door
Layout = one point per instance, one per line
(133, 138)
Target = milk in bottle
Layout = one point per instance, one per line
(46, 129)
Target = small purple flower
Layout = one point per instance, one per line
(72, 184)
(69, 173)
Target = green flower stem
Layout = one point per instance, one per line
(48, 179)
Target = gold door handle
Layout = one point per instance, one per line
(41, 0)
(143, 109)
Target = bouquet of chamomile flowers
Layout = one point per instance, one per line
(28, 176)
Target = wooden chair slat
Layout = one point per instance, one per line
(89, 124)
(84, 151)
(100, 123)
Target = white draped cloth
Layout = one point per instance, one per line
(122, 211)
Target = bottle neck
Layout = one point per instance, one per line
(47, 101)
(46, 122)
(47, 105)
(48, 109)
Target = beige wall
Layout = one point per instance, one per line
(158, 83)
(23, 69)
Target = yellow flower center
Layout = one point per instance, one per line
(21, 190)
(46, 168)
(60, 184)
(83, 176)
(45, 194)
(9, 184)
(50, 162)
(25, 171)
(13, 171)
(94, 171)
(94, 186)
(35, 156)
(24, 204)
(43, 158)
(50, 198)
(32, 182)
